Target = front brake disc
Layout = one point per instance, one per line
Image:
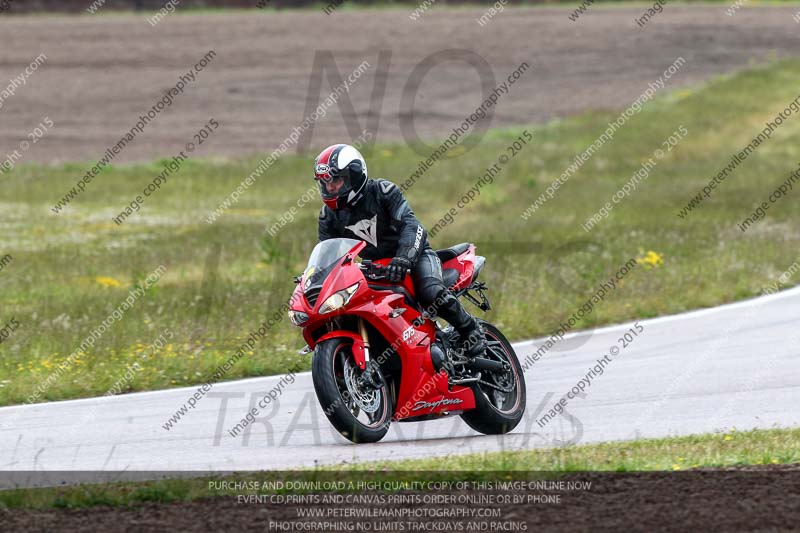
(367, 398)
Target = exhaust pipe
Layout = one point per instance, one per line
(481, 363)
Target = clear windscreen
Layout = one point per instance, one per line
(326, 253)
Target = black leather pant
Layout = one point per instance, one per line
(436, 299)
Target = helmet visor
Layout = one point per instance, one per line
(333, 186)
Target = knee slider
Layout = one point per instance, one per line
(430, 294)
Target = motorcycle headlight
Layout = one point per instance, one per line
(338, 299)
(298, 318)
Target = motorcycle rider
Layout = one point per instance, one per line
(375, 211)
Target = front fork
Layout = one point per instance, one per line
(371, 369)
(360, 353)
(362, 329)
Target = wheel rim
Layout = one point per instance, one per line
(365, 404)
(491, 382)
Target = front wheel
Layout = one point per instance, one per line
(360, 412)
(499, 396)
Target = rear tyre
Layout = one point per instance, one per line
(499, 396)
(359, 412)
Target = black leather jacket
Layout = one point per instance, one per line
(382, 218)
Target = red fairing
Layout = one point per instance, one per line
(422, 391)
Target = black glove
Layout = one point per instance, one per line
(396, 271)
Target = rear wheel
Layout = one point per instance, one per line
(499, 396)
(360, 412)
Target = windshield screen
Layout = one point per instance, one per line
(326, 254)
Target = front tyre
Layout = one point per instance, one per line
(358, 411)
(499, 396)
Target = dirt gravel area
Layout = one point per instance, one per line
(103, 72)
(763, 498)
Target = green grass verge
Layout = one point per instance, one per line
(717, 450)
(733, 449)
(70, 271)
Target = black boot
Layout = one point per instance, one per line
(473, 340)
(469, 328)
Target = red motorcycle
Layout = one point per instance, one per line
(379, 357)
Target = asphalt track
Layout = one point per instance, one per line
(734, 366)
